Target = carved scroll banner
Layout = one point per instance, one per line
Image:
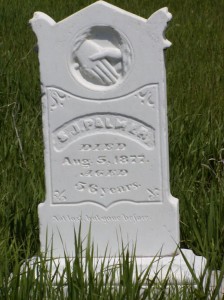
(105, 131)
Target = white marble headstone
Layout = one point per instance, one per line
(105, 130)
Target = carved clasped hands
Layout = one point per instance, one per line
(98, 64)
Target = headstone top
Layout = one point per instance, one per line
(103, 55)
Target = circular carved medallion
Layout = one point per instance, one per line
(101, 57)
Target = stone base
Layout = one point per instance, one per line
(183, 269)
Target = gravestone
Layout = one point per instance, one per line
(104, 109)
(104, 101)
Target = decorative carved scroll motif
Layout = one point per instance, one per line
(57, 98)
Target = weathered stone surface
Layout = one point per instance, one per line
(105, 131)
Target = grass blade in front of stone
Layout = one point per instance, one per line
(86, 277)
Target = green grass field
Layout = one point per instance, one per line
(195, 84)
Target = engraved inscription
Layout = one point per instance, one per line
(104, 173)
(101, 57)
(108, 172)
(104, 219)
(104, 160)
(123, 159)
(102, 191)
(84, 162)
(103, 147)
(107, 123)
(103, 155)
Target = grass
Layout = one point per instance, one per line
(195, 84)
(89, 278)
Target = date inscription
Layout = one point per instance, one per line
(103, 160)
